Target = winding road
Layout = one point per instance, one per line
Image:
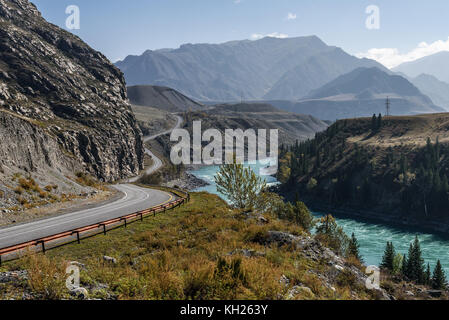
(157, 163)
(135, 199)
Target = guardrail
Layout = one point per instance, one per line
(100, 227)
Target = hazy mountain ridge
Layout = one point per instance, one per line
(436, 65)
(362, 92)
(437, 90)
(251, 70)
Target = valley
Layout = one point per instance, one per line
(98, 201)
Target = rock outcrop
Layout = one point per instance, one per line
(63, 105)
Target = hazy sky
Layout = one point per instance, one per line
(409, 29)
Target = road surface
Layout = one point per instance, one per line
(135, 199)
(157, 163)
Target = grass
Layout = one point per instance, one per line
(183, 254)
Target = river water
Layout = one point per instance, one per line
(372, 236)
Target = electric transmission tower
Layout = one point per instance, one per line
(388, 105)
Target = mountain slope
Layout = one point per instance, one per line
(248, 69)
(292, 127)
(396, 170)
(436, 65)
(362, 92)
(437, 90)
(63, 105)
(316, 72)
(162, 98)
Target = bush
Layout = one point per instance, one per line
(151, 179)
(46, 277)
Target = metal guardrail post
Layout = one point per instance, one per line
(104, 227)
(78, 239)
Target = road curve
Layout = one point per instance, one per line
(135, 199)
(157, 163)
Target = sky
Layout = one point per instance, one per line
(397, 31)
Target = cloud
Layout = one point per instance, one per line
(391, 57)
(257, 36)
(237, 1)
(291, 16)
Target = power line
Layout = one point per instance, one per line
(388, 104)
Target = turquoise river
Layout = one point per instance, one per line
(371, 236)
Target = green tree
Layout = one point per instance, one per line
(388, 257)
(397, 263)
(428, 276)
(332, 235)
(240, 185)
(374, 123)
(439, 278)
(354, 248)
(303, 217)
(415, 263)
(379, 122)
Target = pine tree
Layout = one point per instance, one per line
(379, 122)
(439, 278)
(428, 276)
(415, 263)
(374, 123)
(354, 248)
(388, 258)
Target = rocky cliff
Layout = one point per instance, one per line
(63, 105)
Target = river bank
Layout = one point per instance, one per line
(371, 229)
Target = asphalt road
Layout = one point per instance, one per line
(135, 199)
(157, 163)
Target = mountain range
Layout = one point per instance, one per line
(436, 65)
(362, 92)
(268, 68)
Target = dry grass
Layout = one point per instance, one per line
(185, 254)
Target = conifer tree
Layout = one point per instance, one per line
(374, 123)
(354, 248)
(439, 278)
(388, 258)
(428, 276)
(415, 263)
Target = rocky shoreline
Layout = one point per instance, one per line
(188, 182)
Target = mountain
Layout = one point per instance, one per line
(395, 170)
(269, 67)
(436, 65)
(362, 92)
(437, 90)
(63, 105)
(316, 72)
(162, 98)
(291, 126)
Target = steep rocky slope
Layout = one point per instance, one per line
(63, 105)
